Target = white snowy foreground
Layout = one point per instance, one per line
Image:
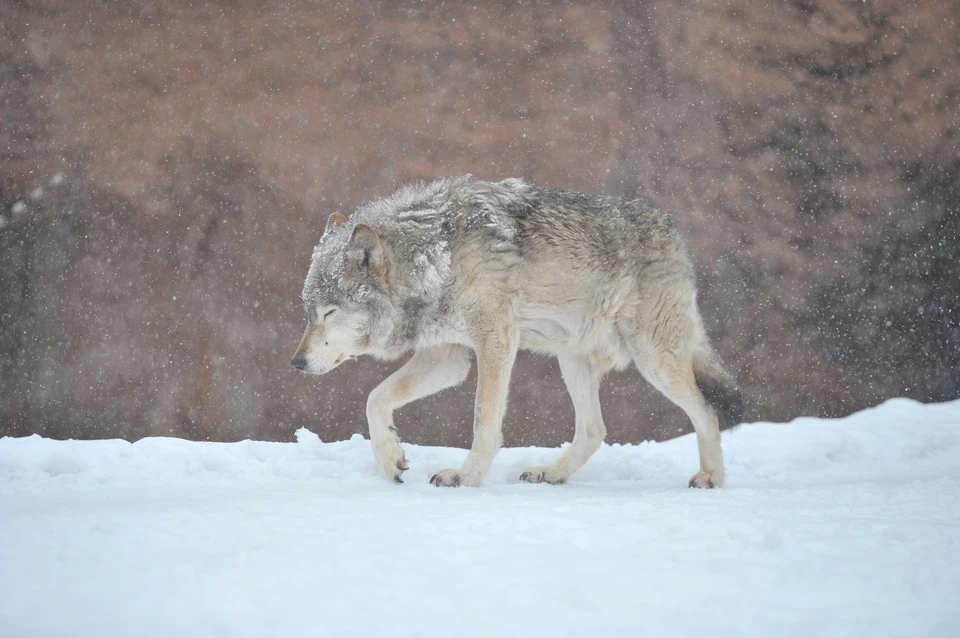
(848, 527)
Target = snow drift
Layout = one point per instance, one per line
(826, 528)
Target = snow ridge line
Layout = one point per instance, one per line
(899, 440)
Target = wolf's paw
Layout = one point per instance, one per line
(706, 480)
(453, 478)
(390, 456)
(543, 474)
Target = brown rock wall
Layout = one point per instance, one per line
(808, 150)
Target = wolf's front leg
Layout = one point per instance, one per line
(426, 373)
(496, 351)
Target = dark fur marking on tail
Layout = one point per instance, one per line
(725, 399)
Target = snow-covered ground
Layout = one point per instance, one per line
(848, 527)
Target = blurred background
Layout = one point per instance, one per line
(167, 167)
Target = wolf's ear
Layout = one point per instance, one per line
(365, 252)
(334, 220)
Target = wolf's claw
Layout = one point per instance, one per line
(447, 478)
(705, 481)
(530, 477)
(543, 475)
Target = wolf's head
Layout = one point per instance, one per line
(345, 297)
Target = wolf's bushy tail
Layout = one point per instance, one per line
(719, 388)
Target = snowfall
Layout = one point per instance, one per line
(847, 527)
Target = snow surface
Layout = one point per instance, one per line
(848, 527)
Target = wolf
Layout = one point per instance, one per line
(462, 266)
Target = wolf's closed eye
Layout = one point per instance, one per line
(328, 313)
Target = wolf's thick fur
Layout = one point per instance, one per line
(461, 264)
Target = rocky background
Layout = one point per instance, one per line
(167, 167)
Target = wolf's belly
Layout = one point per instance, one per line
(543, 334)
(554, 330)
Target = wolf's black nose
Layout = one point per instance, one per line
(299, 362)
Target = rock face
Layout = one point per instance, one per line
(167, 167)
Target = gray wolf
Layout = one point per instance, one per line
(461, 265)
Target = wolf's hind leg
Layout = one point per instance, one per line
(582, 377)
(426, 373)
(672, 374)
